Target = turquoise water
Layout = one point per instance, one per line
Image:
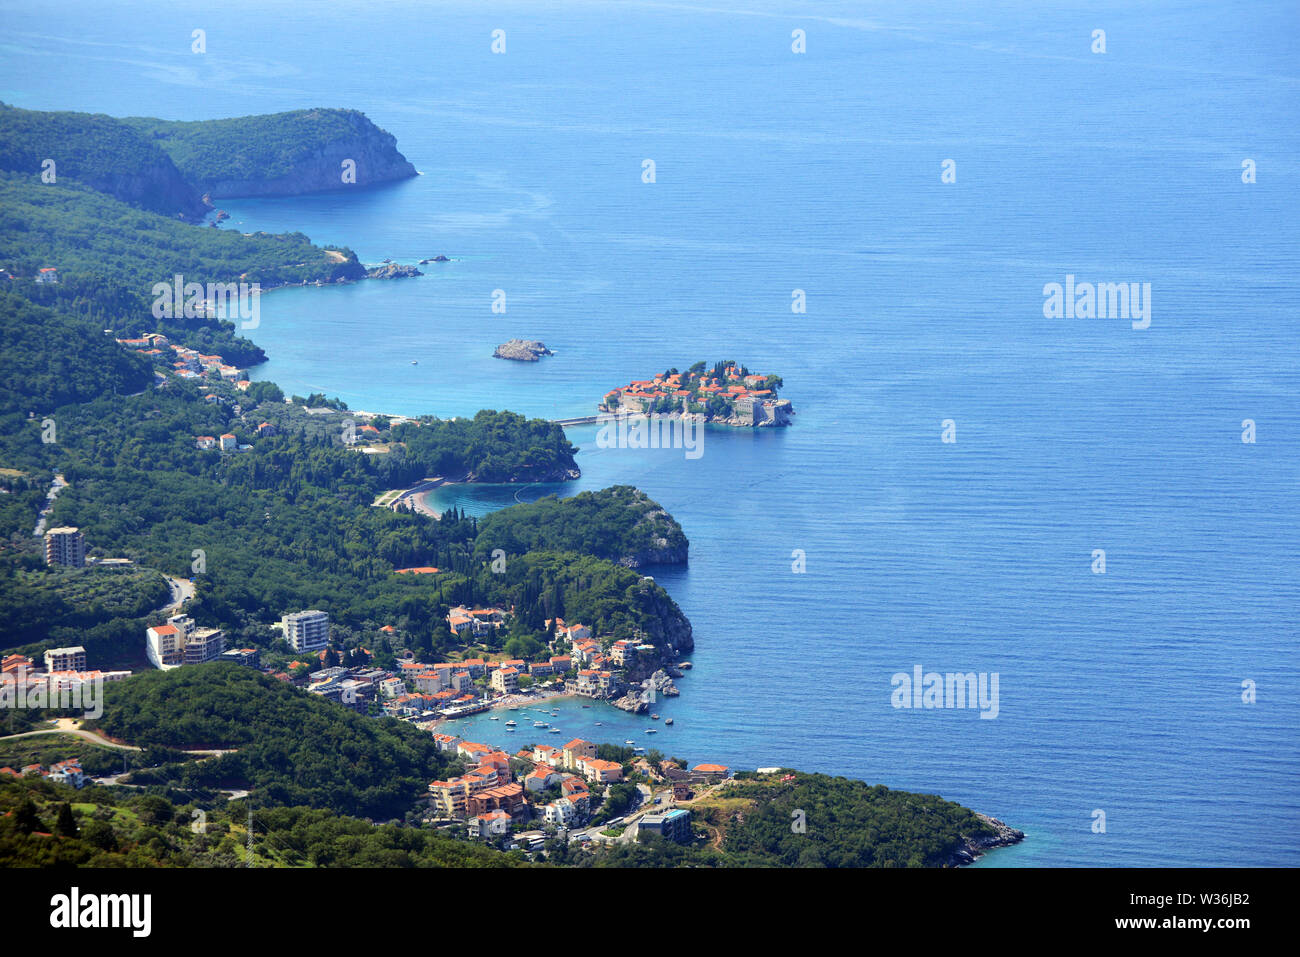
(821, 172)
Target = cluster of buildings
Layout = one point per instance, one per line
(355, 688)
(180, 642)
(64, 772)
(597, 677)
(747, 397)
(65, 670)
(476, 622)
(226, 442)
(489, 799)
(186, 363)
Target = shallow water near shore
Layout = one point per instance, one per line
(1119, 691)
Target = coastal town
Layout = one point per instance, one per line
(577, 790)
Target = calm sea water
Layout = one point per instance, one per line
(1118, 692)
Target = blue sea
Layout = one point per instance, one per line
(1120, 692)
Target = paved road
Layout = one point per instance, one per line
(94, 738)
(75, 732)
(182, 590)
(56, 487)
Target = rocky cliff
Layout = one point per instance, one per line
(281, 154)
(973, 848)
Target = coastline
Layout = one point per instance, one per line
(416, 493)
(514, 700)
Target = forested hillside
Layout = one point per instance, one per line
(298, 151)
(104, 153)
(621, 523)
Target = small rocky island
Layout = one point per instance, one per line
(522, 350)
(392, 270)
(726, 394)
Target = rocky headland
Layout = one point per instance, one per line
(973, 848)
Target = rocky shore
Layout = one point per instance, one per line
(392, 271)
(522, 350)
(973, 848)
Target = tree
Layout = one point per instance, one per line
(66, 825)
(26, 819)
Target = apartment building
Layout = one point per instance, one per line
(65, 546)
(307, 630)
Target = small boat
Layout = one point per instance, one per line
(510, 729)
(415, 362)
(510, 724)
(651, 730)
(539, 724)
(586, 706)
(668, 720)
(654, 717)
(555, 731)
(629, 741)
(512, 708)
(598, 724)
(638, 750)
(495, 717)
(684, 665)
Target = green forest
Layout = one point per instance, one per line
(258, 148)
(617, 523)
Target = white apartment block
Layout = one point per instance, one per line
(65, 659)
(307, 630)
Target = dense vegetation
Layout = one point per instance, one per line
(105, 153)
(621, 524)
(491, 447)
(52, 359)
(813, 820)
(77, 606)
(82, 231)
(46, 825)
(211, 153)
(289, 747)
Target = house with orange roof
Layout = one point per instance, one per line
(505, 680)
(445, 742)
(491, 824)
(575, 749)
(712, 770)
(504, 797)
(472, 750)
(541, 777)
(595, 769)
